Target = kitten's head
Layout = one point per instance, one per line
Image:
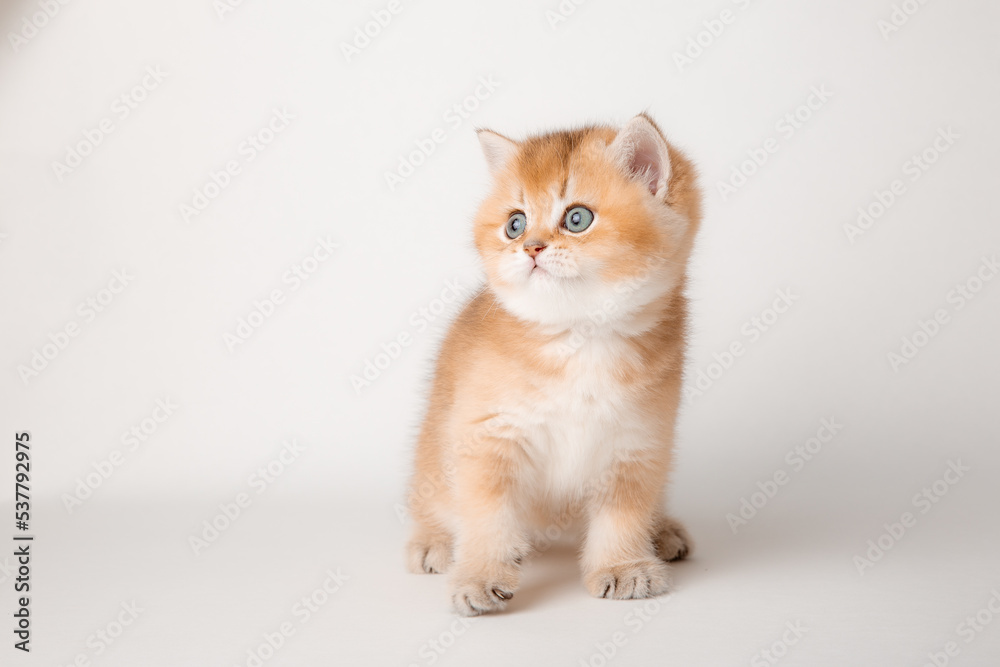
(595, 223)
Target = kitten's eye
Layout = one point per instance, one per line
(578, 219)
(515, 225)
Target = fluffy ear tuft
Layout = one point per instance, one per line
(497, 148)
(641, 151)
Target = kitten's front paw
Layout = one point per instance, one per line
(631, 580)
(484, 592)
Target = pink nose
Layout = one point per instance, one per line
(533, 247)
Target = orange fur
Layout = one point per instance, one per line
(558, 385)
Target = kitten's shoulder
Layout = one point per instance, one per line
(471, 338)
(480, 314)
(482, 323)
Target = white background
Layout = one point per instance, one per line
(336, 506)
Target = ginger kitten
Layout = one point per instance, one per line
(556, 389)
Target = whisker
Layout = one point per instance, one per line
(488, 310)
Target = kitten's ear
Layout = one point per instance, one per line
(641, 151)
(497, 148)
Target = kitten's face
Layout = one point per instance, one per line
(577, 226)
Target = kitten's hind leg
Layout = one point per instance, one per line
(671, 539)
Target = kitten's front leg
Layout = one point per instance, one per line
(619, 560)
(491, 540)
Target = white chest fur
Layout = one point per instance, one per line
(576, 430)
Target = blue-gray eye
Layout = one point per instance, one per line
(578, 219)
(515, 225)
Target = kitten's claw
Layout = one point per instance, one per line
(479, 594)
(429, 557)
(503, 595)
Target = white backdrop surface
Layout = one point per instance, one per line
(214, 215)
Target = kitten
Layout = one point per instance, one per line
(557, 387)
